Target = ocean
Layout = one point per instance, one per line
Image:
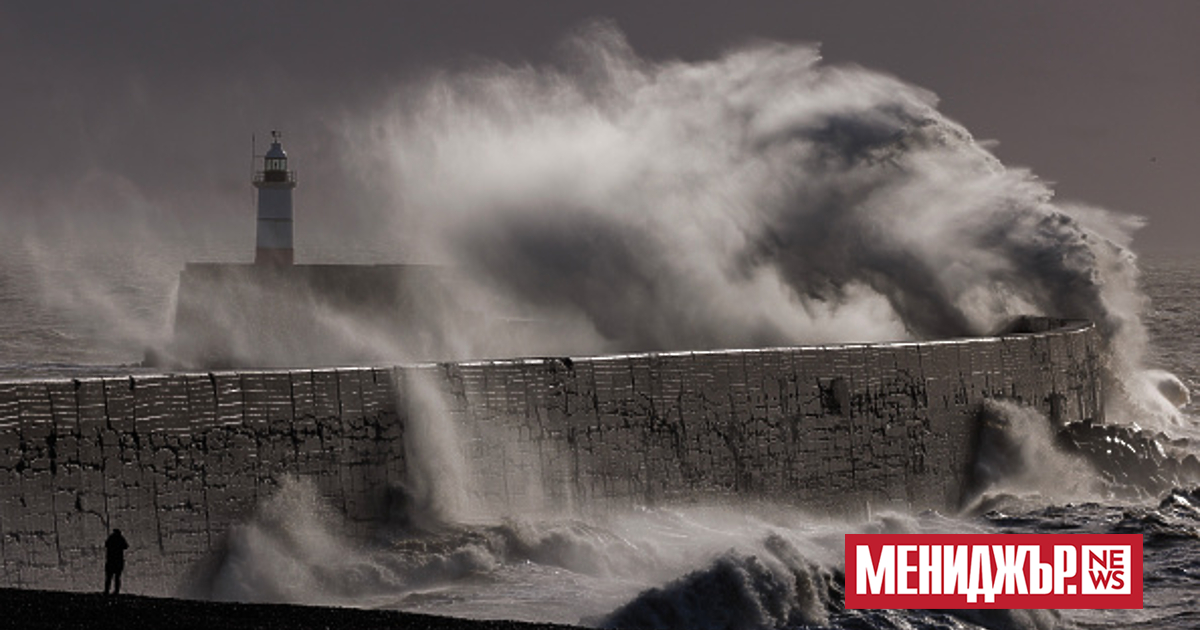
(751, 565)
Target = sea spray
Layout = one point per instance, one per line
(744, 566)
(760, 173)
(437, 470)
(114, 301)
(290, 550)
(296, 548)
(1170, 386)
(469, 465)
(1017, 454)
(1022, 460)
(759, 198)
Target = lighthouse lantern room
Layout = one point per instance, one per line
(274, 183)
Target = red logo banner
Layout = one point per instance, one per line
(994, 571)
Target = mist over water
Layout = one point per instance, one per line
(82, 306)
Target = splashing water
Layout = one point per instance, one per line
(744, 566)
(437, 473)
(750, 565)
(1017, 454)
(761, 198)
(762, 173)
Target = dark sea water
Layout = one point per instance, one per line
(1173, 284)
(695, 566)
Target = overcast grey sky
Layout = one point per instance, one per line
(151, 103)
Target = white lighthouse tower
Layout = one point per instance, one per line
(274, 183)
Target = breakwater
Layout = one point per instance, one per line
(176, 460)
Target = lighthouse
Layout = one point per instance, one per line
(274, 183)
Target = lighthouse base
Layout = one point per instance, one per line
(277, 257)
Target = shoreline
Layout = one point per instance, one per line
(37, 609)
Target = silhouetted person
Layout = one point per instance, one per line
(114, 562)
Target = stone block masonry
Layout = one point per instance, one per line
(175, 461)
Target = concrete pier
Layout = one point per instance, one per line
(176, 460)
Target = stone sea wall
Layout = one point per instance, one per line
(176, 460)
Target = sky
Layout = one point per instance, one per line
(141, 112)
